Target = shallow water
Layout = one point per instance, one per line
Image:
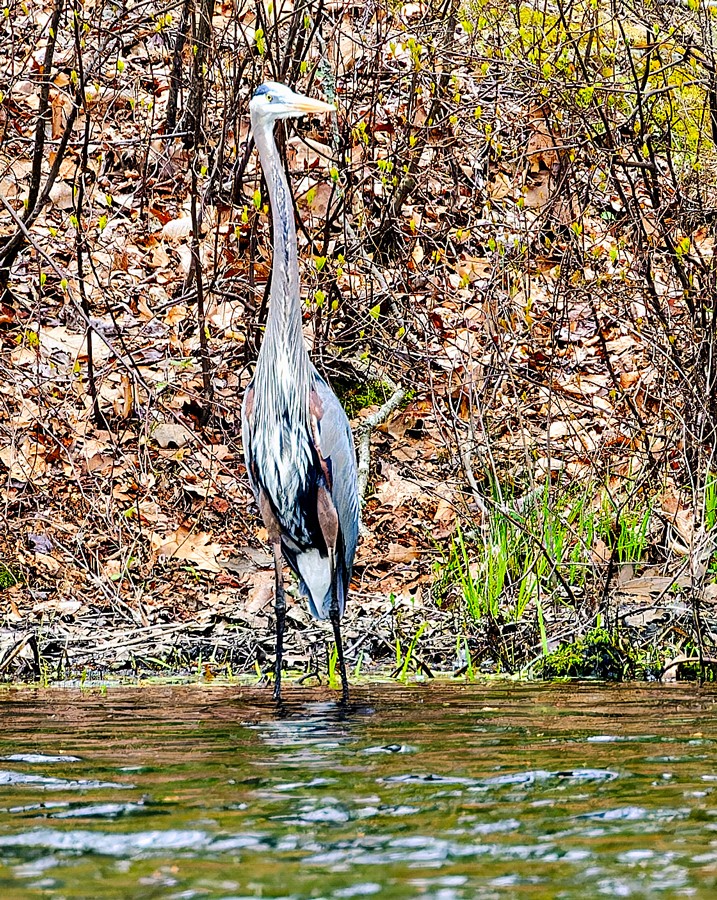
(438, 792)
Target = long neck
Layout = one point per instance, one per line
(283, 337)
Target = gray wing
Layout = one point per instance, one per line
(337, 445)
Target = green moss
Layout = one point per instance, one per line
(8, 577)
(355, 399)
(596, 655)
(371, 393)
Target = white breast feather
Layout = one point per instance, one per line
(316, 572)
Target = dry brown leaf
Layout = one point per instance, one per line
(539, 192)
(541, 148)
(261, 593)
(25, 463)
(172, 433)
(193, 547)
(558, 430)
(320, 203)
(47, 562)
(600, 551)
(59, 606)
(177, 229)
(501, 187)
(627, 379)
(159, 257)
(474, 267)
(646, 586)
(227, 316)
(176, 315)
(308, 153)
(59, 339)
(445, 511)
(62, 195)
(398, 553)
(396, 489)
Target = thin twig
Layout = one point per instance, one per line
(364, 434)
(130, 366)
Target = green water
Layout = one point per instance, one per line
(438, 792)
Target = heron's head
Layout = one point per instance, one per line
(274, 101)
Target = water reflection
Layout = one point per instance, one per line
(488, 792)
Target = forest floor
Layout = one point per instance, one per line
(511, 216)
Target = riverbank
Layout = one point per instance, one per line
(511, 216)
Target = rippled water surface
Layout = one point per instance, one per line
(435, 792)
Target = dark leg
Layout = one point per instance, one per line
(280, 609)
(334, 616)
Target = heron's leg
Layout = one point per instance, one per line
(335, 621)
(280, 609)
(329, 524)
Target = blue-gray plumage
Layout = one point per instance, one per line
(298, 446)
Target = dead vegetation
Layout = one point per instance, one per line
(512, 216)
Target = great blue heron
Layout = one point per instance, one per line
(298, 447)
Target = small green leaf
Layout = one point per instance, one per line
(319, 296)
(375, 311)
(320, 262)
(257, 198)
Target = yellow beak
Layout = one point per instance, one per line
(309, 105)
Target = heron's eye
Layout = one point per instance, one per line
(269, 98)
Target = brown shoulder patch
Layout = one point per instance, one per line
(249, 402)
(316, 407)
(328, 517)
(316, 410)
